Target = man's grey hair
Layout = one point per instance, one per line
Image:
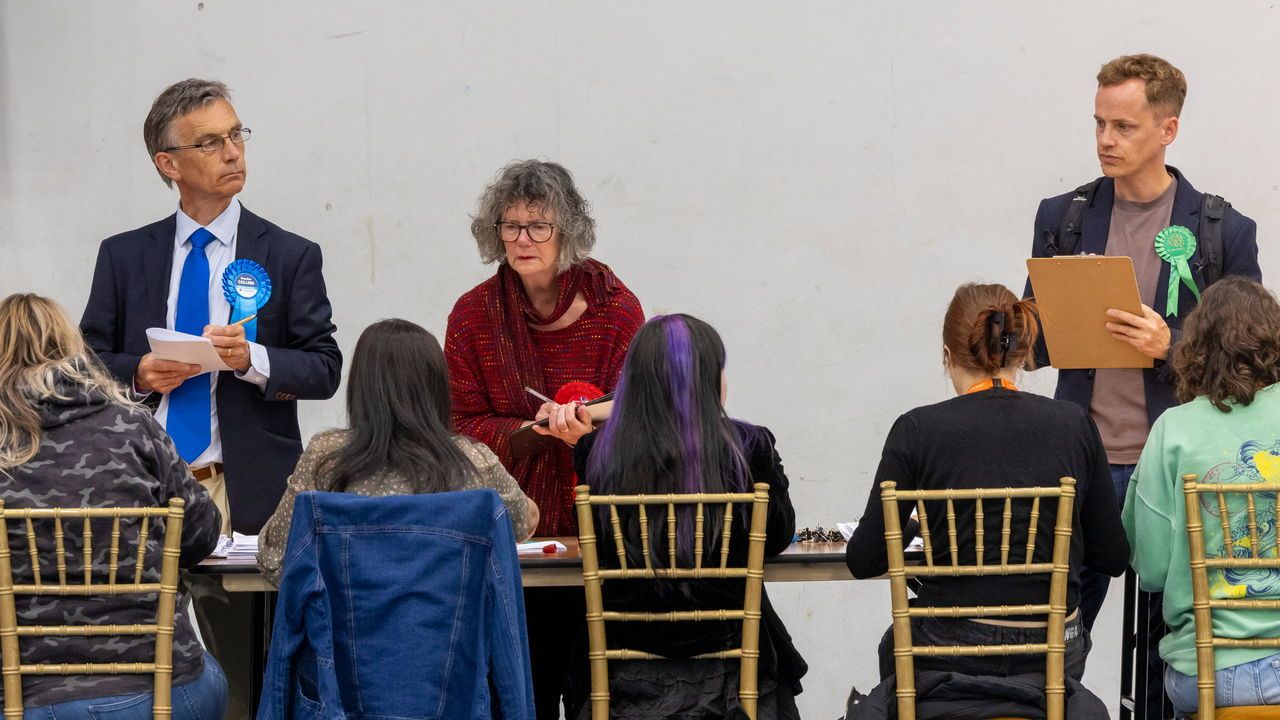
(545, 185)
(177, 100)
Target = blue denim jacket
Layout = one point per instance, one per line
(399, 607)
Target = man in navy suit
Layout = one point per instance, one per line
(152, 277)
(1138, 200)
(193, 272)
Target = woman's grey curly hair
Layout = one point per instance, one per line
(543, 184)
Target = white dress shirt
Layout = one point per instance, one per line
(220, 252)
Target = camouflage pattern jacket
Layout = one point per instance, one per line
(97, 453)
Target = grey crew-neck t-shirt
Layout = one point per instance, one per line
(1119, 404)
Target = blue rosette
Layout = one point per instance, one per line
(247, 288)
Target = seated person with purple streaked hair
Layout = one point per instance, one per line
(668, 433)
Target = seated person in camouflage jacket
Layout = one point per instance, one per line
(70, 437)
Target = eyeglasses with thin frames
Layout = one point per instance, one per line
(209, 146)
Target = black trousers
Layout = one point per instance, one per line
(557, 622)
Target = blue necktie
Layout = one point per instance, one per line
(189, 403)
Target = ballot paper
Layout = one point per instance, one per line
(846, 529)
(236, 547)
(192, 349)
(539, 546)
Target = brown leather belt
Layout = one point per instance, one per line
(207, 472)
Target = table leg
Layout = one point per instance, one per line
(1128, 645)
(264, 604)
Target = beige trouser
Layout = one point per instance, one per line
(217, 487)
(224, 617)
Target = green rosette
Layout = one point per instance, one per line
(1175, 245)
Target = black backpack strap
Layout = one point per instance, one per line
(1213, 212)
(1067, 240)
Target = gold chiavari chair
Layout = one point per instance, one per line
(1055, 609)
(108, 583)
(1203, 604)
(594, 576)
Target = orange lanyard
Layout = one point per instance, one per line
(989, 384)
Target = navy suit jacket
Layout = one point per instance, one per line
(260, 437)
(1240, 257)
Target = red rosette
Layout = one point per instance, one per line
(577, 391)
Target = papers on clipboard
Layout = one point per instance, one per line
(1073, 294)
(193, 349)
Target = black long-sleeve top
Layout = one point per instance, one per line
(779, 657)
(994, 439)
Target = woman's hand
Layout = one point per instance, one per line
(565, 422)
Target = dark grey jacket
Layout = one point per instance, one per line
(96, 453)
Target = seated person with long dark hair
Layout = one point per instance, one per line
(993, 436)
(398, 440)
(71, 437)
(1226, 431)
(668, 433)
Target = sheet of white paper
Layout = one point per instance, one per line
(846, 529)
(537, 546)
(171, 345)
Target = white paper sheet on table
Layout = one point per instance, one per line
(537, 546)
(193, 349)
(846, 529)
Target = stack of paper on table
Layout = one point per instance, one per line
(237, 547)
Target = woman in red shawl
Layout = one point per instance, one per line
(549, 317)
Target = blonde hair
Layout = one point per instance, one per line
(39, 345)
(1166, 85)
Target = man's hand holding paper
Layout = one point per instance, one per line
(169, 346)
(231, 344)
(1148, 334)
(158, 375)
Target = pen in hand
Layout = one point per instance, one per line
(242, 321)
(538, 395)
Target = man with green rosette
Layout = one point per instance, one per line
(1180, 241)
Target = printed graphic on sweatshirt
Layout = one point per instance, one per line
(1255, 462)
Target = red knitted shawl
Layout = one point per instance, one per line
(493, 355)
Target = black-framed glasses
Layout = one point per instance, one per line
(209, 146)
(539, 232)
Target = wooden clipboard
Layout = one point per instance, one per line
(526, 442)
(1073, 294)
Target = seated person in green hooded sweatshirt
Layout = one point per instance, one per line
(1227, 431)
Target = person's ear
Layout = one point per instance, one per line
(167, 166)
(1169, 130)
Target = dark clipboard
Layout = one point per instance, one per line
(1073, 294)
(525, 441)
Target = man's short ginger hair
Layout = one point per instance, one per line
(1166, 85)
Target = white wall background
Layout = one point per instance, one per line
(813, 178)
